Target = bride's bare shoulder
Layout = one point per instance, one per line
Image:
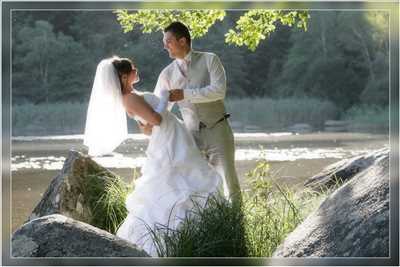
(132, 96)
(130, 101)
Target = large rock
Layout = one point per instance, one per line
(344, 170)
(67, 192)
(58, 236)
(352, 222)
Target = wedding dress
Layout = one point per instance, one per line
(173, 173)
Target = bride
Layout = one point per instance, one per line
(174, 171)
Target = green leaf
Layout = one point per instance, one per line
(252, 27)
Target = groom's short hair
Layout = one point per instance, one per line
(179, 30)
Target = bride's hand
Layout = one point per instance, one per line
(145, 128)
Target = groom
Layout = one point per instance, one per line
(197, 82)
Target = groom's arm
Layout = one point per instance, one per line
(216, 90)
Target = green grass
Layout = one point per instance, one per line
(269, 212)
(43, 119)
(268, 114)
(51, 119)
(271, 114)
(369, 118)
(278, 114)
(214, 231)
(106, 194)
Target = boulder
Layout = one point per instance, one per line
(67, 193)
(59, 236)
(352, 222)
(344, 170)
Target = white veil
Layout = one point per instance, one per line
(106, 123)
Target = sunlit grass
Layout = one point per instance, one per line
(278, 114)
(214, 231)
(269, 212)
(106, 194)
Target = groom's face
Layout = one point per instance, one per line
(175, 47)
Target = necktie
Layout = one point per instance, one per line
(185, 67)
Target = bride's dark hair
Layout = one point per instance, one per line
(123, 66)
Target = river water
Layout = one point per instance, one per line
(293, 158)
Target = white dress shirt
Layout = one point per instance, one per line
(199, 84)
(203, 82)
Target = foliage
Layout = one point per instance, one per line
(106, 194)
(40, 54)
(256, 25)
(252, 27)
(368, 118)
(199, 21)
(336, 60)
(216, 231)
(342, 59)
(278, 114)
(271, 212)
(269, 114)
(268, 213)
(52, 118)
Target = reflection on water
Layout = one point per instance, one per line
(56, 163)
(49, 152)
(43, 163)
(132, 136)
(293, 154)
(293, 159)
(118, 160)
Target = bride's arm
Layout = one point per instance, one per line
(136, 105)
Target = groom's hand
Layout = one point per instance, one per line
(145, 128)
(175, 95)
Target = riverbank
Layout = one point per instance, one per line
(292, 158)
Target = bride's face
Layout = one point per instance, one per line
(133, 76)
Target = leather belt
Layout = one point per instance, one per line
(203, 125)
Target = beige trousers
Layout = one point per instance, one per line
(217, 144)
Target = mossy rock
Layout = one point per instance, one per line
(85, 191)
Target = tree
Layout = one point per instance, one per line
(370, 32)
(233, 58)
(47, 65)
(342, 57)
(333, 60)
(252, 27)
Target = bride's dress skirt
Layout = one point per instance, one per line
(173, 174)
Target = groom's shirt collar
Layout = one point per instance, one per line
(187, 58)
